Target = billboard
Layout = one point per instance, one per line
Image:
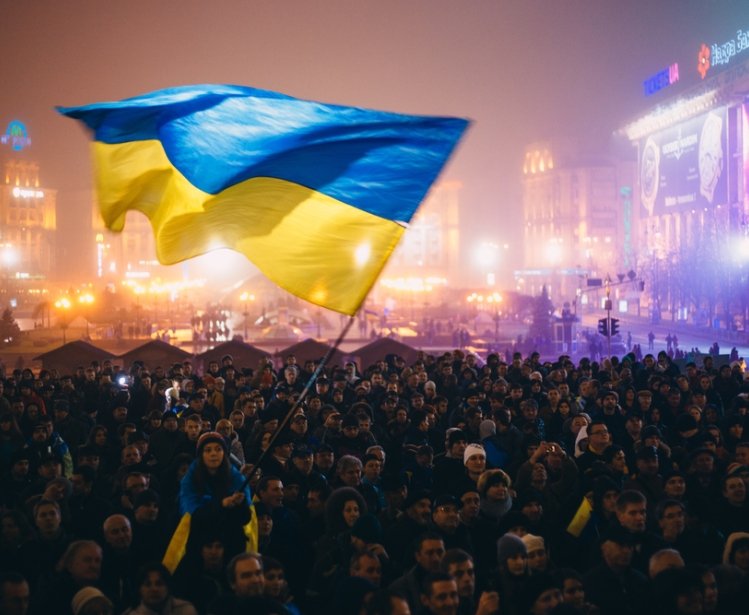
(684, 167)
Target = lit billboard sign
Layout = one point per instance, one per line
(662, 79)
(720, 54)
(705, 60)
(683, 167)
(16, 136)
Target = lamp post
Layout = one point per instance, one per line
(63, 304)
(86, 300)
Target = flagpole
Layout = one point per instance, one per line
(305, 391)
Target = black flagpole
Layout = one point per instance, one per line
(307, 387)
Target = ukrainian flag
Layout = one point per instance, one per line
(316, 195)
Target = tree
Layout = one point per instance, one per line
(543, 311)
(10, 332)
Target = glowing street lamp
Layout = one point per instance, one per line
(86, 300)
(63, 305)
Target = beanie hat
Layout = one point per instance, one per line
(473, 449)
(350, 420)
(455, 434)
(368, 528)
(211, 436)
(532, 590)
(148, 496)
(530, 495)
(509, 546)
(533, 543)
(416, 495)
(84, 596)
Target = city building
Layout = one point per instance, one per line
(692, 231)
(577, 214)
(27, 222)
(427, 260)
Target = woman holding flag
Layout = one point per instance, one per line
(215, 495)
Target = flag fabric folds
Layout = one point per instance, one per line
(316, 195)
(177, 546)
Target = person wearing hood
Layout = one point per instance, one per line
(511, 576)
(496, 497)
(216, 494)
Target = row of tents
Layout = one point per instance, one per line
(158, 353)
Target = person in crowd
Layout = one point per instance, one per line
(656, 478)
(153, 584)
(216, 494)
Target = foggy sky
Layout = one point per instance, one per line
(521, 69)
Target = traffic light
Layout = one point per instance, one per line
(614, 326)
(603, 327)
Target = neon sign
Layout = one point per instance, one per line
(26, 193)
(719, 54)
(668, 76)
(16, 135)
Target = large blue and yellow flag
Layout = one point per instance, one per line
(316, 195)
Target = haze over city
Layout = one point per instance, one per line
(523, 72)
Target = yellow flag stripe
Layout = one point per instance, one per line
(316, 247)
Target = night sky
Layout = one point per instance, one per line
(521, 69)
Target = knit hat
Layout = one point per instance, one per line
(532, 590)
(473, 449)
(416, 495)
(211, 436)
(455, 434)
(368, 528)
(169, 414)
(350, 420)
(533, 543)
(148, 496)
(509, 546)
(86, 595)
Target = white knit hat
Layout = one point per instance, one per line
(84, 596)
(473, 449)
(532, 543)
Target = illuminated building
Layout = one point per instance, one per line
(574, 214)
(692, 235)
(27, 221)
(131, 253)
(427, 258)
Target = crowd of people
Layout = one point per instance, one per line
(444, 486)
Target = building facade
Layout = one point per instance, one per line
(576, 218)
(691, 200)
(27, 222)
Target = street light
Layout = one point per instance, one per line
(86, 300)
(63, 304)
(246, 297)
